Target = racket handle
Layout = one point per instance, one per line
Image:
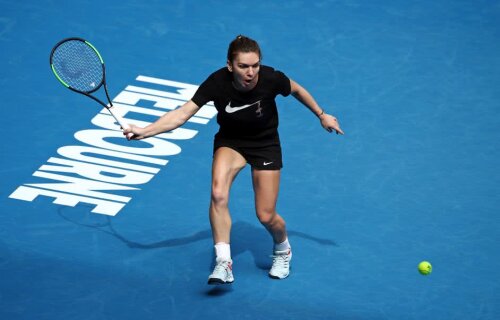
(120, 121)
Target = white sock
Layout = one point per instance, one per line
(285, 245)
(223, 251)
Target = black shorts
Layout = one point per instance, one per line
(261, 158)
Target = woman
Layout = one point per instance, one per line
(244, 94)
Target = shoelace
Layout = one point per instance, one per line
(280, 261)
(221, 267)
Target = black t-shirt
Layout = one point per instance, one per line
(250, 118)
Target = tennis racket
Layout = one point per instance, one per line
(78, 65)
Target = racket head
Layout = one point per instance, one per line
(78, 65)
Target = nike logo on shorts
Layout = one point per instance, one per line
(230, 109)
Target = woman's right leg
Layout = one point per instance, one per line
(226, 165)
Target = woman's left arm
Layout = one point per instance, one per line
(329, 122)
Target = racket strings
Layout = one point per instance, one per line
(78, 65)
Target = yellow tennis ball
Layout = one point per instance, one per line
(425, 268)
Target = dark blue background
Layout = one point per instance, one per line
(415, 85)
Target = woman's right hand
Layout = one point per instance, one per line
(134, 132)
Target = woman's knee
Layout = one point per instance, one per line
(266, 216)
(219, 196)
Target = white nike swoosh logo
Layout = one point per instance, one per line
(230, 109)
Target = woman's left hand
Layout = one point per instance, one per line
(330, 123)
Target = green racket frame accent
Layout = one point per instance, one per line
(57, 76)
(93, 48)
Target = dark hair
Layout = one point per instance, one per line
(242, 44)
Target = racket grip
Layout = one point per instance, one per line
(120, 121)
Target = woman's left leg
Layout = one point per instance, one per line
(266, 188)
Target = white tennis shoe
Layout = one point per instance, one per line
(223, 272)
(281, 264)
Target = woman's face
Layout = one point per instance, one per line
(245, 68)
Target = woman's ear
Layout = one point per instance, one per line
(229, 66)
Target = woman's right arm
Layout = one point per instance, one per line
(169, 121)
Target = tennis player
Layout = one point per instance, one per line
(244, 94)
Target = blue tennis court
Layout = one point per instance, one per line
(95, 227)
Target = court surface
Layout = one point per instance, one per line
(415, 85)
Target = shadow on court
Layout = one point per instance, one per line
(244, 237)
